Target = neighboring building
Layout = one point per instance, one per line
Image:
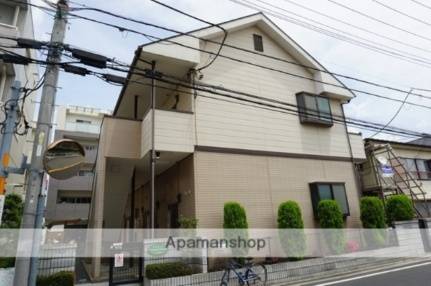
(69, 200)
(16, 21)
(399, 168)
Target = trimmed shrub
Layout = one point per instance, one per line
(167, 270)
(399, 208)
(372, 213)
(373, 217)
(329, 214)
(63, 278)
(293, 241)
(331, 217)
(235, 218)
(186, 222)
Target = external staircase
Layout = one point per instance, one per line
(394, 179)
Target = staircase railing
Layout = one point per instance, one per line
(403, 181)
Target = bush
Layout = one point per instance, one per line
(12, 211)
(63, 278)
(235, 218)
(373, 217)
(399, 208)
(186, 222)
(372, 213)
(331, 217)
(7, 262)
(329, 214)
(166, 270)
(293, 241)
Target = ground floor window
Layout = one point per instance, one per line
(329, 191)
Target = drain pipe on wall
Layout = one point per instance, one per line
(355, 167)
(2, 82)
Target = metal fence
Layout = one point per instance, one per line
(56, 257)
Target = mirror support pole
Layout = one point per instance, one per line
(153, 148)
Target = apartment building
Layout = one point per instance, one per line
(399, 168)
(16, 21)
(69, 200)
(212, 149)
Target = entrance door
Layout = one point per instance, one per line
(173, 216)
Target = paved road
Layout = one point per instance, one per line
(411, 275)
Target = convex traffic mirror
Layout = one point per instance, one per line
(63, 159)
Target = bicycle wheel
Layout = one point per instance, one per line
(258, 275)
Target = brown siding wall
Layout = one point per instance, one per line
(261, 183)
(176, 180)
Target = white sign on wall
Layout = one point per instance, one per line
(119, 260)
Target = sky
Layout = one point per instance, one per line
(336, 55)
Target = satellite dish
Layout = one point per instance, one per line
(63, 159)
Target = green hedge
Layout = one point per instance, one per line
(331, 217)
(63, 278)
(7, 262)
(166, 270)
(12, 212)
(293, 241)
(234, 216)
(372, 213)
(329, 214)
(399, 208)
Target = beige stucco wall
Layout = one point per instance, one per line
(261, 183)
(232, 125)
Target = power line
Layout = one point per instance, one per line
(203, 21)
(380, 21)
(354, 26)
(245, 50)
(402, 13)
(120, 28)
(393, 117)
(402, 55)
(421, 4)
(339, 119)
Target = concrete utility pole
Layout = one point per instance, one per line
(12, 108)
(26, 269)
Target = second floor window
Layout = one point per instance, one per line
(418, 168)
(314, 109)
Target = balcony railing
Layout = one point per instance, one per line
(83, 127)
(174, 132)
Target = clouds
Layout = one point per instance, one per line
(336, 55)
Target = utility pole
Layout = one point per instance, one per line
(26, 269)
(11, 107)
(153, 147)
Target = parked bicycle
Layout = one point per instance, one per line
(248, 274)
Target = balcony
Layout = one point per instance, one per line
(83, 127)
(8, 31)
(174, 132)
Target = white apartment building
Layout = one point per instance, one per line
(69, 200)
(15, 22)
